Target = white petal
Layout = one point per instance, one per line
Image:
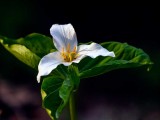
(79, 58)
(93, 50)
(67, 63)
(63, 35)
(48, 63)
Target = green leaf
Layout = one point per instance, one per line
(64, 93)
(23, 54)
(127, 56)
(57, 93)
(37, 43)
(57, 88)
(29, 49)
(51, 100)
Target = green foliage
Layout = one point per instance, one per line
(59, 85)
(127, 56)
(30, 49)
(57, 90)
(51, 99)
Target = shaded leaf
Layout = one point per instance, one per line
(127, 56)
(56, 90)
(51, 99)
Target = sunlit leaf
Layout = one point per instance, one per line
(29, 49)
(23, 54)
(37, 43)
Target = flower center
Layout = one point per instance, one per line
(69, 55)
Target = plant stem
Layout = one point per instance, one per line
(72, 107)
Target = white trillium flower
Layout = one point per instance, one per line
(65, 40)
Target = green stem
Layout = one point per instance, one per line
(72, 107)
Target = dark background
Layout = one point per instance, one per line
(124, 94)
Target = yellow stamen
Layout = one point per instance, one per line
(69, 55)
